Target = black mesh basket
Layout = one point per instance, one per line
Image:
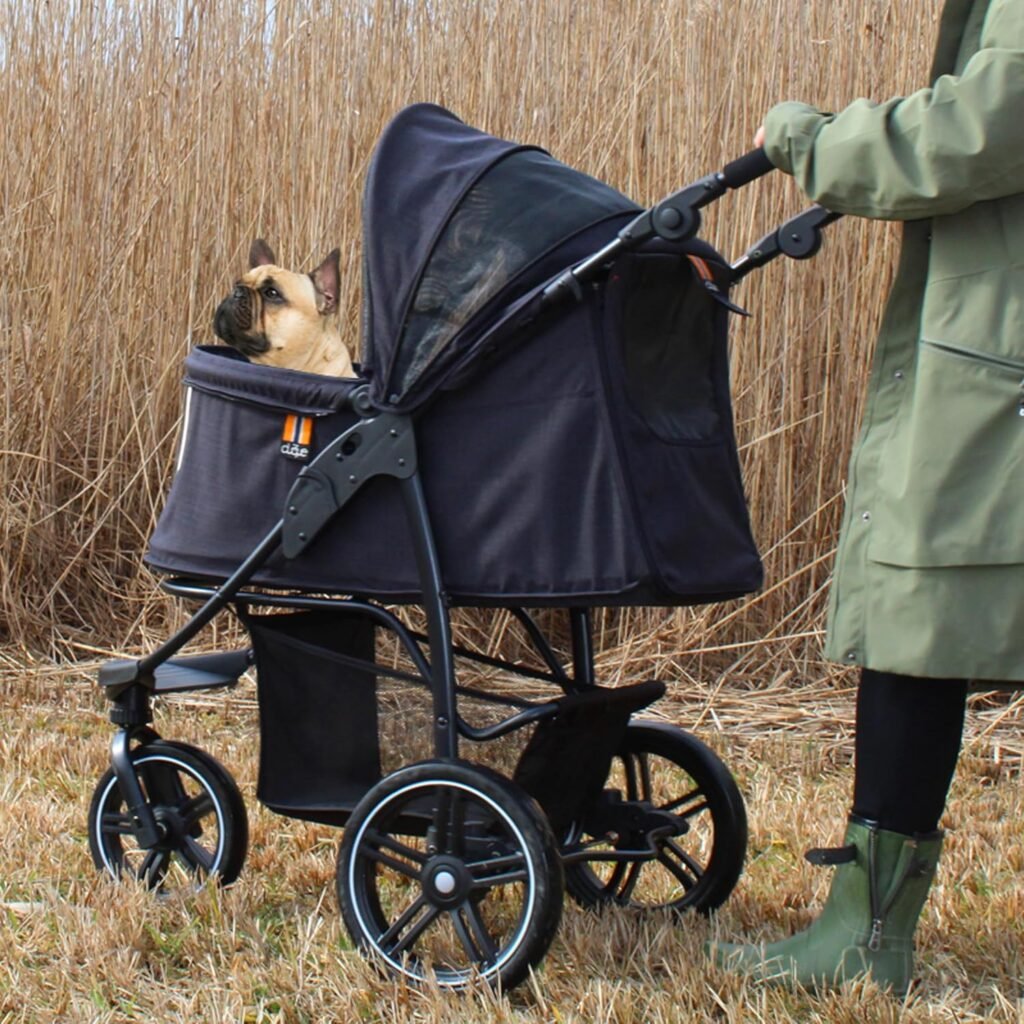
(319, 747)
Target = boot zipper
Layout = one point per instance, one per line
(875, 939)
(878, 911)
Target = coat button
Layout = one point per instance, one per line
(851, 656)
(866, 517)
(898, 375)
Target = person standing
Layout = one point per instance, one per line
(928, 587)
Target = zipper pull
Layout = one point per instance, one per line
(875, 940)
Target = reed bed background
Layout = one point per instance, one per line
(142, 147)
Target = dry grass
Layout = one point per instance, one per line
(142, 146)
(75, 948)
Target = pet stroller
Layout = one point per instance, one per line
(542, 421)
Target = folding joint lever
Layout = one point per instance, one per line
(800, 237)
(676, 219)
(382, 445)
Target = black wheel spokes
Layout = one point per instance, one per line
(184, 820)
(475, 939)
(687, 822)
(625, 893)
(682, 866)
(154, 867)
(622, 880)
(197, 858)
(378, 842)
(393, 941)
(470, 942)
(502, 871)
(449, 873)
(695, 798)
(192, 810)
(199, 814)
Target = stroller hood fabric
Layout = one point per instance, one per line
(456, 224)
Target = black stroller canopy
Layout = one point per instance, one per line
(454, 221)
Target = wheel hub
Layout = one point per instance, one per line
(170, 827)
(446, 881)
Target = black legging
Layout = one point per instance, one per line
(906, 748)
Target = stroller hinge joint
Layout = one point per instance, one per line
(381, 445)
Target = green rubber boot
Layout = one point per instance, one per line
(867, 925)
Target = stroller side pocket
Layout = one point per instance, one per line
(319, 749)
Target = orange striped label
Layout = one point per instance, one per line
(296, 436)
(297, 429)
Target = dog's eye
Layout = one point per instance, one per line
(272, 294)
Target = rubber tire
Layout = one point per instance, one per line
(724, 804)
(519, 819)
(107, 846)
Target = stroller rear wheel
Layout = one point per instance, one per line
(198, 809)
(449, 871)
(669, 793)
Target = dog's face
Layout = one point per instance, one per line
(281, 318)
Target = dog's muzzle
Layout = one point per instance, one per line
(233, 320)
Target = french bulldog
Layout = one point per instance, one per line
(281, 318)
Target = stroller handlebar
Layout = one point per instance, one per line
(747, 168)
(677, 218)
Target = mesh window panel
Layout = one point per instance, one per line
(522, 207)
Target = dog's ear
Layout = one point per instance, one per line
(260, 254)
(326, 278)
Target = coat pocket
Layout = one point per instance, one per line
(951, 482)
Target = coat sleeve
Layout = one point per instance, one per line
(933, 152)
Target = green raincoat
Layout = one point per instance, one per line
(929, 577)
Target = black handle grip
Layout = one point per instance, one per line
(747, 168)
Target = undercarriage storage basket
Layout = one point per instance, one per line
(319, 749)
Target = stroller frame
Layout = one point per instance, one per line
(142, 796)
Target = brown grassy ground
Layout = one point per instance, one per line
(76, 948)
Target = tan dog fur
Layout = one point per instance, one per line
(280, 318)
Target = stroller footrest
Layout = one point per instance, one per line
(194, 672)
(202, 671)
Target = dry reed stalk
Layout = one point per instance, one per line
(142, 146)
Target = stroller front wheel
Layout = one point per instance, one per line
(198, 808)
(449, 871)
(669, 793)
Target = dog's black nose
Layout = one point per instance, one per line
(222, 322)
